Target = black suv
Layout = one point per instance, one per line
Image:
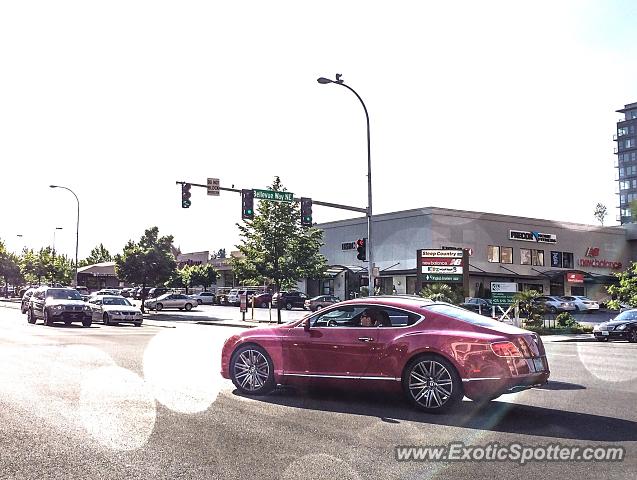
(58, 305)
(157, 291)
(289, 300)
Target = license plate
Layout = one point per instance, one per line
(538, 364)
(604, 332)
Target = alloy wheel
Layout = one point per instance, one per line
(251, 370)
(633, 336)
(430, 384)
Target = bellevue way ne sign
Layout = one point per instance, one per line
(273, 196)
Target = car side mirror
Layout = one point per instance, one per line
(306, 324)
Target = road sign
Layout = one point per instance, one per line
(441, 278)
(502, 293)
(213, 186)
(273, 196)
(445, 269)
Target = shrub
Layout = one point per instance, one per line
(565, 319)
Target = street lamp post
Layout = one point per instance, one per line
(370, 250)
(77, 229)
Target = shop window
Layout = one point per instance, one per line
(567, 260)
(493, 254)
(506, 254)
(525, 256)
(556, 259)
(537, 258)
(411, 285)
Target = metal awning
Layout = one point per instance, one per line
(335, 270)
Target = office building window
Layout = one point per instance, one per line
(506, 254)
(567, 260)
(537, 258)
(493, 254)
(525, 256)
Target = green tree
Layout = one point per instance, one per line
(528, 309)
(147, 262)
(600, 213)
(9, 268)
(204, 275)
(625, 291)
(98, 255)
(442, 292)
(275, 246)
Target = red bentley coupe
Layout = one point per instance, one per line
(434, 352)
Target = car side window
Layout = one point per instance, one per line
(338, 317)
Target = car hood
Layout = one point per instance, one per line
(55, 301)
(120, 308)
(614, 323)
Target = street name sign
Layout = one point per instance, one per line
(273, 196)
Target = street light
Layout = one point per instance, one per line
(370, 257)
(77, 228)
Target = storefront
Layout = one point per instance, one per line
(556, 258)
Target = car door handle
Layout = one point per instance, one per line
(365, 339)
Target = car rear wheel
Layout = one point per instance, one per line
(188, 307)
(264, 305)
(552, 310)
(432, 384)
(252, 371)
(159, 306)
(199, 302)
(601, 339)
(288, 306)
(30, 316)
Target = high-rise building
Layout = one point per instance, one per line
(626, 150)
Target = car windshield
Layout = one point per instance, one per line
(66, 294)
(626, 316)
(116, 301)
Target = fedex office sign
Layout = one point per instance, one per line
(538, 237)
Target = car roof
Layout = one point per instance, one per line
(404, 301)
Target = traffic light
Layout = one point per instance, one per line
(247, 204)
(361, 248)
(185, 195)
(306, 212)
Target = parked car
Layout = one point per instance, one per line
(157, 291)
(622, 327)
(139, 292)
(114, 310)
(126, 292)
(171, 300)
(204, 298)
(289, 300)
(58, 305)
(582, 304)
(261, 300)
(482, 306)
(234, 295)
(321, 301)
(553, 304)
(435, 353)
(24, 306)
(105, 291)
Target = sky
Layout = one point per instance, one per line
(496, 106)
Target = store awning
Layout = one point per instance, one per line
(335, 270)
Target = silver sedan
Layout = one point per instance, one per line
(111, 309)
(172, 300)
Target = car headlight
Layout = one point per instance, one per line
(596, 328)
(87, 308)
(58, 307)
(622, 327)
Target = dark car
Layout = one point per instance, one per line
(289, 300)
(157, 291)
(261, 300)
(622, 327)
(478, 305)
(435, 353)
(139, 293)
(321, 301)
(58, 305)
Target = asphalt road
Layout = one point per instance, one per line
(124, 402)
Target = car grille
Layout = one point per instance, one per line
(74, 308)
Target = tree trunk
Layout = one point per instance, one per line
(278, 303)
(143, 295)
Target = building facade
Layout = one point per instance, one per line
(556, 258)
(626, 151)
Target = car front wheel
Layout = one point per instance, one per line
(106, 319)
(252, 371)
(47, 319)
(188, 307)
(432, 384)
(601, 339)
(87, 323)
(632, 336)
(159, 306)
(288, 306)
(30, 316)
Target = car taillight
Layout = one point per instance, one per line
(506, 349)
